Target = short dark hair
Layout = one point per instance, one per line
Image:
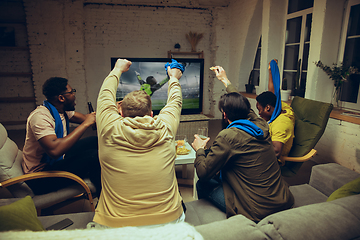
(151, 80)
(54, 86)
(136, 104)
(235, 105)
(266, 98)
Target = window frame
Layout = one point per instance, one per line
(343, 38)
(303, 14)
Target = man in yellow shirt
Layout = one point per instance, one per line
(281, 127)
(137, 155)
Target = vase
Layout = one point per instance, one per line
(285, 95)
(336, 97)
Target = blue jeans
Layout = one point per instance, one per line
(213, 191)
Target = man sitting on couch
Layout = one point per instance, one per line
(137, 155)
(50, 146)
(240, 173)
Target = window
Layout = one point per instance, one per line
(298, 5)
(256, 68)
(297, 44)
(350, 54)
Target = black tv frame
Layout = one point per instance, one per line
(192, 64)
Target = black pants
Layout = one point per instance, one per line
(82, 159)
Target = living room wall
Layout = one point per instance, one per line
(143, 32)
(76, 39)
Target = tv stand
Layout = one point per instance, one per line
(193, 117)
(189, 125)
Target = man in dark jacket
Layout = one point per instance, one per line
(240, 173)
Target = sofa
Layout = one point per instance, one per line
(312, 217)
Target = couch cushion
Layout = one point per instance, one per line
(328, 177)
(80, 219)
(20, 215)
(305, 194)
(349, 189)
(3, 135)
(201, 212)
(235, 227)
(10, 165)
(338, 219)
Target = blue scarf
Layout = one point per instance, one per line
(276, 80)
(59, 130)
(248, 127)
(174, 64)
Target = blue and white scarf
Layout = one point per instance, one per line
(276, 81)
(59, 130)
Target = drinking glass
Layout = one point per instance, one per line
(203, 133)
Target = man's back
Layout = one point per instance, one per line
(251, 175)
(137, 158)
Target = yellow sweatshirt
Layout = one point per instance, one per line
(137, 157)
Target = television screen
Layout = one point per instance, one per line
(144, 70)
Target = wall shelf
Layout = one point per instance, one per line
(17, 99)
(199, 54)
(15, 74)
(13, 48)
(13, 122)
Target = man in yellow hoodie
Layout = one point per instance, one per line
(137, 155)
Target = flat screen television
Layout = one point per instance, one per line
(191, 81)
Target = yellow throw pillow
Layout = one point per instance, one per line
(350, 188)
(20, 215)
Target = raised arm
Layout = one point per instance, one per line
(221, 75)
(107, 109)
(159, 85)
(164, 81)
(271, 83)
(172, 110)
(139, 78)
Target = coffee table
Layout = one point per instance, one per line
(188, 159)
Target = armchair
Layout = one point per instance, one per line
(13, 178)
(311, 118)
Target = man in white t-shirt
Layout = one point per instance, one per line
(50, 146)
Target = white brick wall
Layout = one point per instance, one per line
(76, 41)
(129, 31)
(340, 143)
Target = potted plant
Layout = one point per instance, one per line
(194, 39)
(339, 74)
(285, 93)
(250, 86)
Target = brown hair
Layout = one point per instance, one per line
(235, 105)
(136, 104)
